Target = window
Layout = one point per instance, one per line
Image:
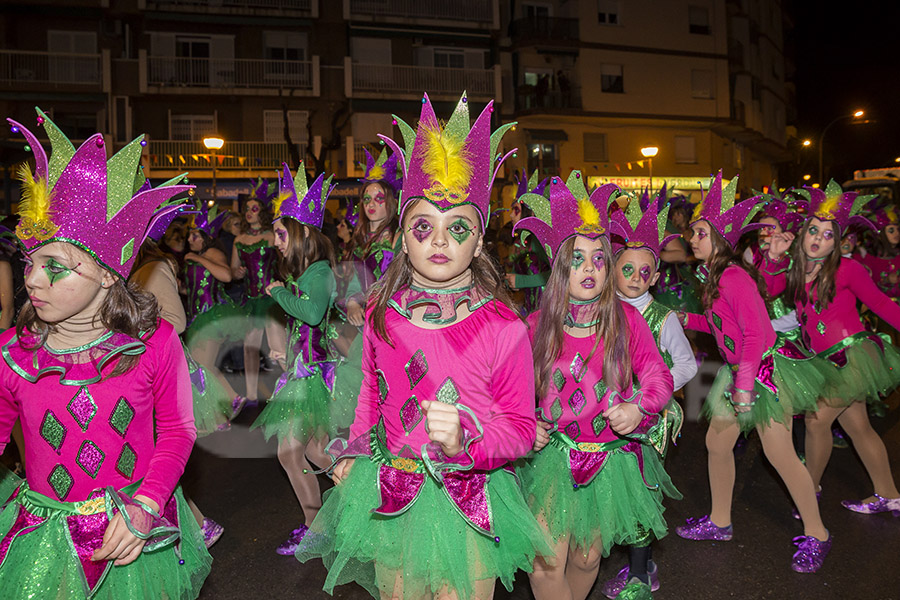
(608, 12)
(702, 84)
(273, 125)
(285, 45)
(78, 126)
(452, 59)
(595, 147)
(192, 127)
(65, 68)
(685, 149)
(698, 20)
(543, 158)
(611, 79)
(536, 11)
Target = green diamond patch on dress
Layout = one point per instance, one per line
(598, 424)
(82, 408)
(53, 431)
(717, 321)
(577, 368)
(559, 380)
(61, 481)
(126, 461)
(416, 368)
(573, 430)
(600, 390)
(820, 327)
(121, 416)
(729, 343)
(448, 392)
(382, 385)
(410, 414)
(89, 458)
(556, 410)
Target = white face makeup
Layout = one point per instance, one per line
(701, 241)
(63, 281)
(818, 242)
(635, 272)
(588, 271)
(373, 203)
(441, 245)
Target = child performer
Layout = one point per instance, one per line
(530, 266)
(592, 487)
(425, 505)
(883, 262)
(763, 383)
(825, 287)
(636, 271)
(102, 390)
(299, 411)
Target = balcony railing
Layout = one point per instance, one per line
(528, 99)
(231, 73)
(187, 155)
(390, 80)
(50, 69)
(471, 11)
(542, 30)
(305, 6)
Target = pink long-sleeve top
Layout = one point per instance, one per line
(482, 362)
(881, 270)
(577, 395)
(774, 272)
(739, 322)
(841, 319)
(81, 436)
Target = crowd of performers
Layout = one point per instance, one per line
(475, 422)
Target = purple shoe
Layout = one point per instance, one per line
(704, 529)
(614, 586)
(870, 508)
(212, 531)
(811, 553)
(796, 514)
(239, 403)
(290, 546)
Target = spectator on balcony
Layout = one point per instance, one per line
(565, 89)
(543, 86)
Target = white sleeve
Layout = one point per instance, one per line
(673, 341)
(786, 323)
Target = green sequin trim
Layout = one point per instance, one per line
(598, 424)
(53, 431)
(383, 388)
(127, 251)
(717, 321)
(559, 380)
(121, 416)
(729, 343)
(126, 461)
(600, 390)
(820, 327)
(448, 393)
(250, 248)
(556, 410)
(60, 481)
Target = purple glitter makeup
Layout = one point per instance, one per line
(421, 229)
(645, 273)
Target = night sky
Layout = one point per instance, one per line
(848, 57)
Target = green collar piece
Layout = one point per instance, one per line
(579, 313)
(442, 305)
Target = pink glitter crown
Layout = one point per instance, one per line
(450, 165)
(643, 228)
(86, 200)
(719, 209)
(570, 211)
(300, 201)
(385, 169)
(886, 216)
(834, 204)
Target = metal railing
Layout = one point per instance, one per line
(403, 79)
(528, 98)
(473, 11)
(294, 5)
(552, 28)
(186, 155)
(50, 68)
(229, 72)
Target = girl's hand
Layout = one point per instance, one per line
(193, 256)
(742, 401)
(542, 437)
(624, 417)
(119, 544)
(273, 285)
(443, 427)
(511, 280)
(342, 470)
(355, 313)
(238, 272)
(780, 243)
(682, 318)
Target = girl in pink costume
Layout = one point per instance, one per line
(862, 366)
(102, 390)
(764, 382)
(425, 505)
(884, 261)
(593, 486)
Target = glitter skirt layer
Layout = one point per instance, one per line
(258, 311)
(616, 507)
(212, 406)
(867, 375)
(300, 409)
(428, 547)
(43, 564)
(348, 379)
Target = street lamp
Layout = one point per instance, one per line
(856, 114)
(213, 143)
(807, 143)
(649, 152)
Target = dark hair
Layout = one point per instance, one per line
(361, 239)
(612, 327)
(883, 248)
(208, 241)
(823, 285)
(307, 245)
(265, 215)
(722, 257)
(485, 274)
(149, 252)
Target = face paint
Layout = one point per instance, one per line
(421, 229)
(597, 259)
(828, 234)
(701, 234)
(645, 273)
(577, 260)
(252, 209)
(628, 270)
(29, 265)
(379, 198)
(460, 231)
(282, 235)
(56, 271)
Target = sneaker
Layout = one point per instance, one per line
(212, 531)
(704, 529)
(635, 589)
(811, 553)
(290, 546)
(871, 508)
(614, 586)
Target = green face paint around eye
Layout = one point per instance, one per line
(55, 271)
(628, 270)
(460, 231)
(577, 259)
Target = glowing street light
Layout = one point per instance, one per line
(213, 143)
(807, 177)
(807, 143)
(649, 152)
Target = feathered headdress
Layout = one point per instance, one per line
(450, 165)
(299, 201)
(570, 211)
(886, 216)
(209, 219)
(784, 211)
(643, 228)
(719, 209)
(385, 169)
(77, 196)
(834, 204)
(261, 191)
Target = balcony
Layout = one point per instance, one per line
(192, 156)
(528, 100)
(541, 31)
(240, 76)
(476, 14)
(408, 82)
(29, 71)
(301, 8)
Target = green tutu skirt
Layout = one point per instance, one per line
(798, 381)
(616, 507)
(430, 546)
(212, 406)
(348, 379)
(299, 409)
(868, 373)
(43, 563)
(257, 311)
(222, 323)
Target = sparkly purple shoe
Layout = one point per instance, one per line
(870, 508)
(290, 546)
(614, 586)
(239, 403)
(811, 553)
(212, 531)
(704, 529)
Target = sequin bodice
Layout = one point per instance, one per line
(259, 260)
(307, 343)
(373, 265)
(203, 290)
(528, 259)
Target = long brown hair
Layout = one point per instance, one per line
(265, 215)
(485, 275)
(306, 246)
(611, 328)
(883, 248)
(722, 257)
(823, 285)
(361, 238)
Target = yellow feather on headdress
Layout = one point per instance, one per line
(35, 215)
(827, 209)
(446, 160)
(590, 217)
(376, 173)
(277, 201)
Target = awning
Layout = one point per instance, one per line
(547, 135)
